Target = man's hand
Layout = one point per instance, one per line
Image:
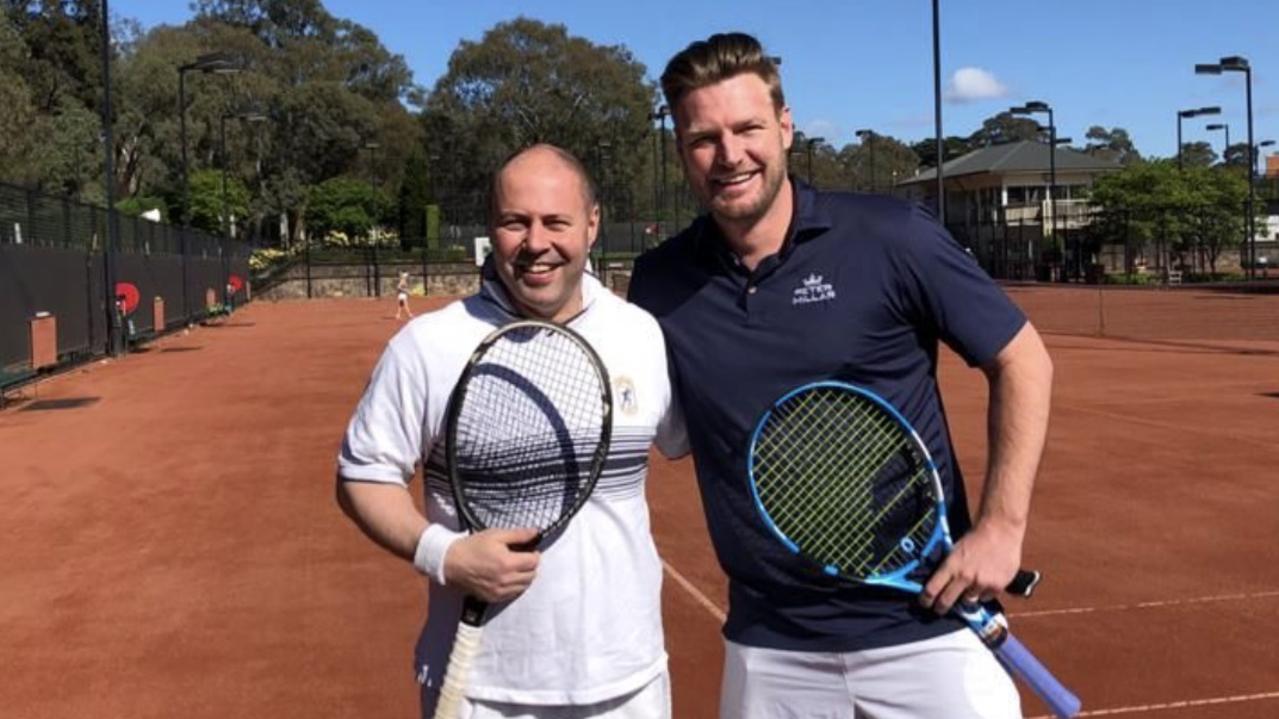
(493, 565)
(982, 563)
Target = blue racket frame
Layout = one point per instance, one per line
(992, 628)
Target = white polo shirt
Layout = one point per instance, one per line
(589, 627)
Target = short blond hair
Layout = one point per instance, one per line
(717, 58)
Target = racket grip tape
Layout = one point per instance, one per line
(1018, 660)
(465, 645)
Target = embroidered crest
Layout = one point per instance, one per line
(811, 289)
(624, 395)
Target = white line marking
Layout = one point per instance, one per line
(1174, 705)
(696, 593)
(1171, 426)
(1147, 605)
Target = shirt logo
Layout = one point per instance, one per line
(624, 394)
(813, 289)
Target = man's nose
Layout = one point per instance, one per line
(730, 151)
(538, 239)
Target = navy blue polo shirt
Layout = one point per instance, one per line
(862, 290)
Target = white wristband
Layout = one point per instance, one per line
(432, 546)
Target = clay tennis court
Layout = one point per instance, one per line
(170, 547)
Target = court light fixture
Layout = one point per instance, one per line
(1038, 106)
(1182, 115)
(809, 142)
(867, 136)
(1236, 63)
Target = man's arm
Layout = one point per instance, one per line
(985, 560)
(485, 564)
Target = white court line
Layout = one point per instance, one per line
(1266, 445)
(1173, 705)
(1146, 605)
(696, 593)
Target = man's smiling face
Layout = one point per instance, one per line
(544, 224)
(733, 142)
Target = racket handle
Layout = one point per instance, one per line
(465, 645)
(1024, 583)
(1018, 659)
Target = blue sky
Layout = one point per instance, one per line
(852, 64)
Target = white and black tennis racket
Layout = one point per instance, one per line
(842, 479)
(527, 434)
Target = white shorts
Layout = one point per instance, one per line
(651, 701)
(953, 676)
(403, 297)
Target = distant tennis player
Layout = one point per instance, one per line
(780, 284)
(402, 297)
(580, 632)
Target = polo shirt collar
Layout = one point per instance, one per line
(809, 220)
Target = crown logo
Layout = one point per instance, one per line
(813, 280)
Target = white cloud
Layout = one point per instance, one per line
(970, 84)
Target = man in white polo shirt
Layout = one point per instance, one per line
(576, 630)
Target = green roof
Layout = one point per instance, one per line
(1020, 156)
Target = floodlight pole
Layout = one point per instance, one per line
(868, 137)
(1252, 166)
(662, 113)
(1221, 126)
(809, 142)
(941, 190)
(115, 335)
(1030, 108)
(1236, 63)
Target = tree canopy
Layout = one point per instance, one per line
(1198, 209)
(1113, 144)
(526, 82)
(342, 112)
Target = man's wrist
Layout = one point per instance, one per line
(432, 547)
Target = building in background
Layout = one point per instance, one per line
(997, 205)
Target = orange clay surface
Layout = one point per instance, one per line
(170, 547)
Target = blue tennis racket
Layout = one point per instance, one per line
(842, 479)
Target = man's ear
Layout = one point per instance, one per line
(593, 224)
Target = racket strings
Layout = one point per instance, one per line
(529, 430)
(798, 452)
(838, 476)
(832, 518)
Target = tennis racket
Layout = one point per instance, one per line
(527, 433)
(841, 478)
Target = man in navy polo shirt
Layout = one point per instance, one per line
(777, 285)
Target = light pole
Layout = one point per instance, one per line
(662, 113)
(115, 336)
(868, 138)
(601, 158)
(1221, 126)
(219, 63)
(253, 117)
(656, 187)
(1234, 63)
(1030, 108)
(808, 143)
(1182, 115)
(250, 117)
(377, 269)
(941, 190)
